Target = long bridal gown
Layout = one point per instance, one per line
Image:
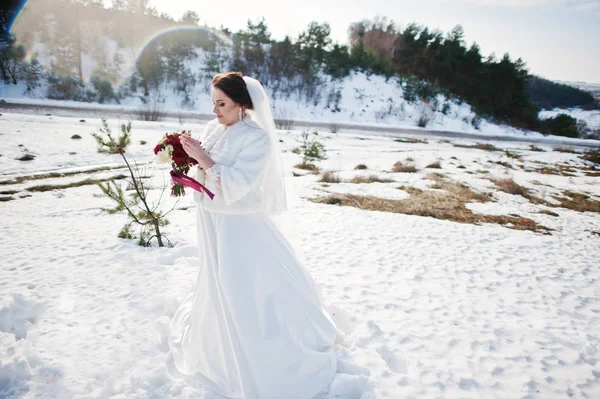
(254, 325)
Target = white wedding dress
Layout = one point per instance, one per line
(254, 326)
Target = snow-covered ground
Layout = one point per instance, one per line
(429, 308)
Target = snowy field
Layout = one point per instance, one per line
(428, 308)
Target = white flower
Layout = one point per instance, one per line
(164, 155)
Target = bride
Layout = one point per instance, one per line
(254, 326)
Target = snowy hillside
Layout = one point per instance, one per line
(358, 98)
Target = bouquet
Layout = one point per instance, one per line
(170, 150)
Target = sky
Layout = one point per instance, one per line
(557, 39)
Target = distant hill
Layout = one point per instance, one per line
(548, 94)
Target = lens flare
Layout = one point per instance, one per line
(83, 42)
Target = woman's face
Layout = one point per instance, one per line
(225, 108)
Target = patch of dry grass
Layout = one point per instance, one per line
(330, 177)
(558, 170)
(410, 140)
(360, 166)
(513, 155)
(505, 164)
(577, 202)
(511, 187)
(479, 146)
(86, 182)
(435, 165)
(547, 212)
(308, 166)
(52, 175)
(446, 205)
(399, 167)
(565, 150)
(6, 199)
(535, 148)
(369, 179)
(592, 156)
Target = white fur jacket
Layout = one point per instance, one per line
(241, 152)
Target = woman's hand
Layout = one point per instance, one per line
(193, 148)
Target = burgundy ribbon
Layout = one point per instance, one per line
(183, 179)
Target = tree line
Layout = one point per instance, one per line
(425, 62)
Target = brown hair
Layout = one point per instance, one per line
(234, 86)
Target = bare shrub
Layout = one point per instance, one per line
(151, 111)
(426, 112)
(334, 128)
(399, 167)
(284, 119)
(369, 179)
(330, 177)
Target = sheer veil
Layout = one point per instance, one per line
(273, 183)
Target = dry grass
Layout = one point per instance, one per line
(558, 170)
(511, 187)
(399, 167)
(86, 182)
(6, 199)
(446, 205)
(513, 155)
(505, 164)
(577, 202)
(52, 175)
(410, 140)
(330, 177)
(536, 149)
(592, 156)
(565, 150)
(479, 146)
(435, 165)
(547, 212)
(369, 179)
(361, 166)
(308, 166)
(9, 192)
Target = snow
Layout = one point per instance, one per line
(427, 308)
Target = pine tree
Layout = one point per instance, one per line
(140, 211)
